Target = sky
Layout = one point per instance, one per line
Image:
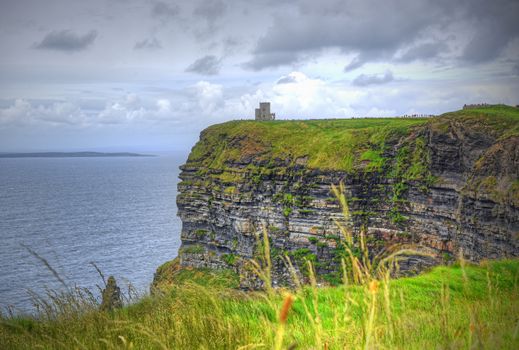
(147, 75)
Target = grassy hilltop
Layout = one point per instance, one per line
(333, 144)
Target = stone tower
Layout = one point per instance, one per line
(263, 112)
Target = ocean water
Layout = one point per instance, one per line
(119, 213)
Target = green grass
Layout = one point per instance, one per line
(327, 144)
(449, 307)
(332, 144)
(500, 120)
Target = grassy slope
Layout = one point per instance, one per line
(335, 144)
(328, 144)
(499, 119)
(439, 309)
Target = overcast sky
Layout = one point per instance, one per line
(149, 75)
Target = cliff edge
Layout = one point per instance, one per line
(447, 184)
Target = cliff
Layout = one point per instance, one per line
(447, 184)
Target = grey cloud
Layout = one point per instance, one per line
(162, 10)
(357, 62)
(66, 40)
(424, 51)
(377, 30)
(365, 80)
(271, 59)
(354, 27)
(148, 44)
(495, 26)
(207, 65)
(210, 9)
(486, 45)
(286, 80)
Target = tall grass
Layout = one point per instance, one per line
(463, 306)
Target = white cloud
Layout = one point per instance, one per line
(23, 112)
(163, 105)
(128, 109)
(208, 97)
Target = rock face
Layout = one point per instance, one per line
(446, 185)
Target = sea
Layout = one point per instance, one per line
(61, 216)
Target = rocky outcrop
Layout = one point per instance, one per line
(446, 185)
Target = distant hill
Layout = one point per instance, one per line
(70, 155)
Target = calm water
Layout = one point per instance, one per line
(117, 212)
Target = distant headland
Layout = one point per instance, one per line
(71, 155)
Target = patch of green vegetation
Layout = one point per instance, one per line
(287, 211)
(201, 233)
(321, 244)
(229, 177)
(313, 240)
(193, 249)
(230, 190)
(288, 199)
(332, 278)
(448, 307)
(376, 161)
(171, 274)
(302, 254)
(306, 211)
(419, 162)
(396, 217)
(220, 278)
(229, 259)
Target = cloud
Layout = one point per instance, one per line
(353, 27)
(66, 40)
(424, 51)
(207, 65)
(208, 96)
(130, 108)
(294, 77)
(357, 62)
(210, 10)
(148, 44)
(376, 31)
(23, 112)
(163, 10)
(270, 60)
(486, 45)
(494, 26)
(365, 80)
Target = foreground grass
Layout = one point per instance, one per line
(448, 307)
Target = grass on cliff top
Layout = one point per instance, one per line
(499, 120)
(326, 144)
(472, 307)
(333, 144)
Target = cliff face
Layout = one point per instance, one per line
(446, 184)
